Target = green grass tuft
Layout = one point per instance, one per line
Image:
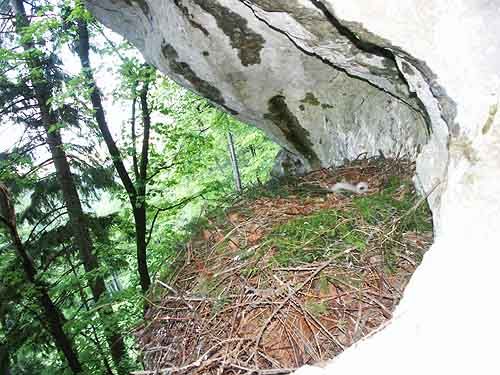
(314, 238)
(326, 233)
(382, 207)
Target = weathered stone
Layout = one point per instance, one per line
(288, 164)
(281, 66)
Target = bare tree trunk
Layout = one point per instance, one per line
(140, 208)
(4, 360)
(53, 316)
(140, 237)
(136, 194)
(234, 162)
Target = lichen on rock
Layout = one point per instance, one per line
(182, 68)
(248, 43)
(281, 116)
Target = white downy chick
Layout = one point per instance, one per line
(359, 188)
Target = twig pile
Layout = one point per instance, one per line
(229, 309)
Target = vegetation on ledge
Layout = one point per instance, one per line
(288, 275)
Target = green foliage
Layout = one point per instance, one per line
(327, 233)
(383, 206)
(317, 308)
(201, 130)
(315, 237)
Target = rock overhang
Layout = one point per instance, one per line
(324, 89)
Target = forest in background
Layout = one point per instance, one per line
(113, 167)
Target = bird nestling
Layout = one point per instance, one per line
(359, 188)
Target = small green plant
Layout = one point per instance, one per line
(219, 304)
(316, 308)
(382, 207)
(250, 272)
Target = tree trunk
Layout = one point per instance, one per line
(234, 162)
(54, 317)
(77, 218)
(81, 232)
(140, 237)
(100, 117)
(4, 360)
(137, 196)
(140, 209)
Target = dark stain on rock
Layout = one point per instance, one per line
(390, 64)
(447, 106)
(183, 69)
(184, 9)
(406, 68)
(229, 110)
(376, 71)
(310, 99)
(245, 40)
(143, 5)
(283, 118)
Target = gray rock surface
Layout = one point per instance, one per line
(282, 66)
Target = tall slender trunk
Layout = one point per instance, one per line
(136, 194)
(141, 205)
(140, 237)
(4, 360)
(54, 318)
(77, 218)
(234, 162)
(80, 228)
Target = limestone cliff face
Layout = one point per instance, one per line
(286, 66)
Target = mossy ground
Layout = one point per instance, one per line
(315, 238)
(290, 274)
